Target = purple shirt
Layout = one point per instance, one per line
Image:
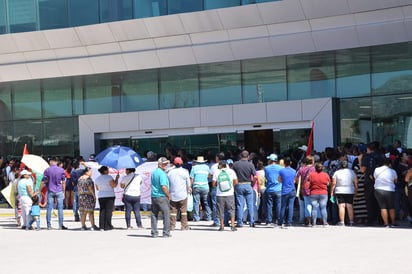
(54, 176)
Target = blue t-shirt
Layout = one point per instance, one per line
(35, 210)
(200, 175)
(288, 179)
(272, 175)
(159, 178)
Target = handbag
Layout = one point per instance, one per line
(125, 188)
(189, 202)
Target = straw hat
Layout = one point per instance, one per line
(200, 159)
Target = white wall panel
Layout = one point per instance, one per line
(248, 33)
(124, 121)
(14, 72)
(109, 48)
(39, 55)
(95, 34)
(80, 66)
(380, 34)
(252, 48)
(129, 30)
(209, 37)
(249, 114)
(289, 28)
(96, 122)
(336, 39)
(334, 22)
(204, 21)
(216, 116)
(279, 12)
(183, 118)
(44, 69)
(164, 26)
(30, 41)
(213, 53)
(281, 111)
(157, 119)
(141, 60)
(76, 52)
(7, 44)
(12, 58)
(379, 16)
(172, 41)
(107, 63)
(244, 16)
(62, 38)
(137, 45)
(170, 57)
(291, 44)
(324, 8)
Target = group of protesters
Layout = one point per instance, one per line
(351, 185)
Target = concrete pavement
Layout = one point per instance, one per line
(203, 249)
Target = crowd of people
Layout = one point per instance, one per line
(347, 186)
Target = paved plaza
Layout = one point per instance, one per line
(202, 249)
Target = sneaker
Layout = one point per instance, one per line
(283, 226)
(140, 227)
(84, 228)
(49, 228)
(340, 224)
(94, 228)
(252, 225)
(239, 226)
(167, 236)
(37, 229)
(221, 229)
(62, 228)
(325, 225)
(233, 228)
(130, 227)
(77, 219)
(215, 225)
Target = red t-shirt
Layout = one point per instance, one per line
(319, 183)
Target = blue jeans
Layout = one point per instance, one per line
(270, 196)
(244, 192)
(319, 201)
(288, 200)
(76, 205)
(132, 203)
(215, 218)
(50, 203)
(34, 219)
(201, 194)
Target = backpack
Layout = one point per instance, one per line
(224, 181)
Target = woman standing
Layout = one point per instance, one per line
(131, 197)
(105, 185)
(385, 179)
(305, 205)
(318, 186)
(87, 198)
(25, 189)
(344, 186)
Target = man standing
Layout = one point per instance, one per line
(246, 174)
(179, 187)
(54, 179)
(287, 180)
(219, 158)
(160, 198)
(200, 185)
(273, 188)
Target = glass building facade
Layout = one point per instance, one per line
(32, 15)
(372, 86)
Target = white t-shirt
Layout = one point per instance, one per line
(344, 181)
(105, 189)
(133, 188)
(385, 178)
(179, 180)
(232, 176)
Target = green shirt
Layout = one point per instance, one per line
(159, 179)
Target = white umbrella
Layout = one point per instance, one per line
(35, 162)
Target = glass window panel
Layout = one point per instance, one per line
(246, 2)
(57, 97)
(356, 120)
(115, 10)
(181, 6)
(3, 17)
(392, 119)
(140, 91)
(149, 8)
(353, 72)
(7, 142)
(5, 102)
(78, 96)
(179, 87)
(220, 84)
(391, 68)
(76, 143)
(217, 4)
(83, 12)
(58, 137)
(311, 75)
(264, 80)
(22, 15)
(28, 132)
(101, 95)
(53, 14)
(26, 100)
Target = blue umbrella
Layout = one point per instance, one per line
(119, 157)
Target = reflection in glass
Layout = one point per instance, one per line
(140, 91)
(53, 14)
(7, 144)
(5, 102)
(352, 72)
(149, 8)
(3, 22)
(311, 75)
(22, 15)
(181, 6)
(26, 100)
(179, 87)
(57, 97)
(28, 132)
(264, 80)
(220, 84)
(115, 10)
(217, 4)
(78, 96)
(83, 12)
(392, 68)
(98, 95)
(58, 137)
(356, 120)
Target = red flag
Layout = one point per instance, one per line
(25, 151)
(310, 142)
